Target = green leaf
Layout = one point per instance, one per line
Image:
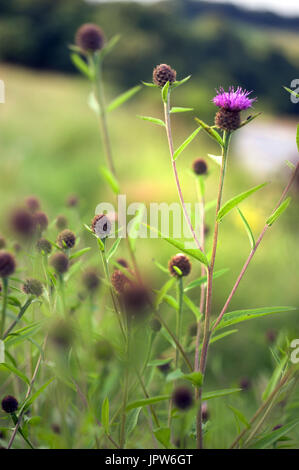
(209, 130)
(186, 143)
(203, 279)
(15, 371)
(292, 92)
(229, 205)
(2, 351)
(180, 110)
(131, 421)
(220, 393)
(163, 436)
(159, 362)
(165, 92)
(216, 158)
(174, 375)
(163, 291)
(110, 45)
(82, 66)
(110, 179)
(273, 436)
(80, 252)
(105, 415)
(134, 228)
(113, 249)
(238, 316)
(195, 378)
(180, 82)
(146, 402)
(191, 305)
(247, 228)
(297, 136)
(290, 164)
(121, 99)
(194, 253)
(275, 378)
(283, 206)
(33, 397)
(159, 122)
(239, 415)
(93, 103)
(152, 85)
(249, 119)
(223, 335)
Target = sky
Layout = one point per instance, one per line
(285, 7)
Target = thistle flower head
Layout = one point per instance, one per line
(7, 264)
(119, 281)
(101, 225)
(182, 397)
(233, 100)
(9, 404)
(182, 263)
(60, 262)
(91, 279)
(90, 37)
(162, 74)
(33, 287)
(61, 222)
(41, 221)
(66, 239)
(32, 203)
(44, 245)
(200, 166)
(22, 223)
(136, 299)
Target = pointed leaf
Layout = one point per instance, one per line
(203, 279)
(180, 82)
(16, 371)
(110, 178)
(249, 119)
(247, 228)
(273, 436)
(229, 205)
(80, 252)
(146, 402)
(180, 110)
(163, 436)
(113, 249)
(209, 130)
(121, 99)
(164, 92)
(283, 206)
(216, 158)
(105, 415)
(159, 122)
(195, 378)
(186, 143)
(220, 393)
(163, 291)
(131, 421)
(81, 65)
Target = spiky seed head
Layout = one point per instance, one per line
(90, 279)
(33, 287)
(162, 74)
(90, 37)
(61, 222)
(44, 245)
(41, 221)
(9, 404)
(72, 201)
(119, 281)
(66, 239)
(182, 398)
(122, 262)
(22, 223)
(200, 166)
(2, 242)
(101, 225)
(32, 203)
(228, 120)
(180, 261)
(7, 264)
(60, 262)
(103, 350)
(155, 325)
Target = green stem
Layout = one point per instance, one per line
(21, 313)
(4, 303)
(20, 431)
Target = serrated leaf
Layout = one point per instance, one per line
(180, 82)
(194, 253)
(163, 436)
(80, 252)
(177, 109)
(239, 316)
(159, 122)
(186, 143)
(2, 351)
(146, 402)
(110, 179)
(16, 371)
(229, 205)
(164, 92)
(121, 99)
(220, 393)
(247, 228)
(82, 66)
(273, 436)
(105, 415)
(209, 130)
(283, 206)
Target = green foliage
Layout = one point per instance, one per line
(232, 203)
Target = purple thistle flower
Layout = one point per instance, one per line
(233, 100)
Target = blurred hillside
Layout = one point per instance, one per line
(218, 44)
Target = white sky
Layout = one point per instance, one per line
(285, 7)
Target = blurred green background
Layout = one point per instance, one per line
(50, 144)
